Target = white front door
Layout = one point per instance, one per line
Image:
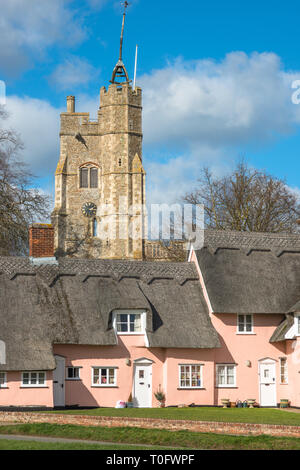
(143, 386)
(59, 382)
(267, 373)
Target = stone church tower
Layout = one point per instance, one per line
(100, 180)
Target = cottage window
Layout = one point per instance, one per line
(283, 371)
(190, 376)
(226, 375)
(73, 373)
(245, 324)
(104, 377)
(3, 381)
(33, 379)
(129, 322)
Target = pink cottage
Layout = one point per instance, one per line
(90, 332)
(88, 329)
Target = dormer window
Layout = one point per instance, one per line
(129, 322)
(88, 176)
(245, 324)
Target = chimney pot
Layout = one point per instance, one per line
(70, 104)
(41, 241)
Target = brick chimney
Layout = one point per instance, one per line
(41, 241)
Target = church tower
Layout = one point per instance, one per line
(100, 180)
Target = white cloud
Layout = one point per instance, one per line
(74, 72)
(37, 122)
(199, 111)
(28, 27)
(167, 182)
(237, 100)
(204, 110)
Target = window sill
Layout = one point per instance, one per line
(104, 386)
(246, 334)
(191, 388)
(34, 386)
(226, 386)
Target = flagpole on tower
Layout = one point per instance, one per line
(135, 67)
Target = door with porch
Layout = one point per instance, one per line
(59, 382)
(142, 385)
(267, 379)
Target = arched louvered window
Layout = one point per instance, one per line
(84, 177)
(94, 177)
(89, 177)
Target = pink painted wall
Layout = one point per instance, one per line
(15, 395)
(84, 394)
(165, 372)
(239, 348)
(293, 388)
(175, 394)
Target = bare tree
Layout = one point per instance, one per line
(20, 204)
(246, 200)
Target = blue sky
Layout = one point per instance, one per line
(216, 79)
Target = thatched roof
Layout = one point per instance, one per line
(72, 303)
(250, 272)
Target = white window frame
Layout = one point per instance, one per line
(128, 312)
(283, 360)
(67, 373)
(30, 384)
(226, 385)
(4, 385)
(189, 365)
(244, 332)
(294, 329)
(106, 385)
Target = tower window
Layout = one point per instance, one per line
(89, 177)
(84, 177)
(95, 228)
(120, 162)
(94, 177)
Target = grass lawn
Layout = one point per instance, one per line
(234, 415)
(154, 437)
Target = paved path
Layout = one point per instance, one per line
(18, 437)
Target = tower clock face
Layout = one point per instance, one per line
(89, 209)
